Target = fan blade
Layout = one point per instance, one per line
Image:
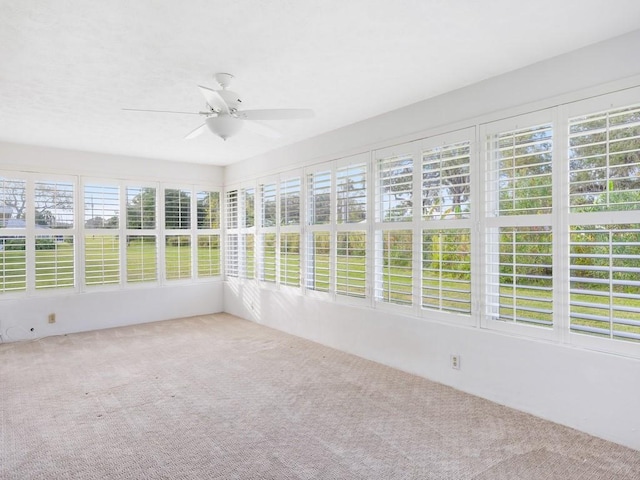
(161, 111)
(261, 129)
(198, 131)
(214, 100)
(276, 114)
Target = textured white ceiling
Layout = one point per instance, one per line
(68, 67)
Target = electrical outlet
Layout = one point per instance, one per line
(52, 318)
(455, 361)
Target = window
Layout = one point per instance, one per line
(521, 167)
(13, 259)
(446, 182)
(141, 234)
(605, 280)
(446, 222)
(446, 270)
(232, 233)
(55, 204)
(394, 196)
(208, 210)
(208, 237)
(248, 243)
(351, 264)
(141, 208)
(177, 242)
(13, 203)
(247, 235)
(289, 231)
(102, 259)
(351, 190)
(290, 201)
(519, 235)
(268, 204)
(394, 272)
(102, 247)
(13, 263)
(524, 286)
(268, 236)
(177, 256)
(319, 216)
(54, 261)
(604, 241)
(290, 259)
(101, 206)
(122, 240)
(604, 161)
(351, 224)
(177, 209)
(319, 187)
(267, 257)
(393, 246)
(142, 258)
(318, 261)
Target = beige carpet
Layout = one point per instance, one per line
(219, 397)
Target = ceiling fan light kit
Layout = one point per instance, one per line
(224, 125)
(224, 119)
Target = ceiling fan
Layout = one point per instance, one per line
(224, 119)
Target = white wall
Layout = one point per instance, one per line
(99, 308)
(562, 79)
(592, 391)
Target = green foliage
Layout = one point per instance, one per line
(141, 210)
(177, 209)
(209, 210)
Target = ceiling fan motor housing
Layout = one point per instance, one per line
(232, 99)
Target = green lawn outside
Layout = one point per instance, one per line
(55, 267)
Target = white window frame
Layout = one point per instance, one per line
(568, 111)
(156, 232)
(356, 160)
(380, 226)
(311, 228)
(466, 135)
(491, 221)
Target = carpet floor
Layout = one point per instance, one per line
(218, 397)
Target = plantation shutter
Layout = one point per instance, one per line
(351, 193)
(519, 240)
(604, 241)
(102, 248)
(352, 221)
(446, 269)
(267, 257)
(351, 265)
(395, 189)
(268, 205)
(394, 265)
(290, 259)
(13, 259)
(446, 223)
(177, 215)
(393, 245)
(247, 235)
(13, 263)
(142, 246)
(232, 247)
(319, 187)
(142, 258)
(290, 201)
(446, 182)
